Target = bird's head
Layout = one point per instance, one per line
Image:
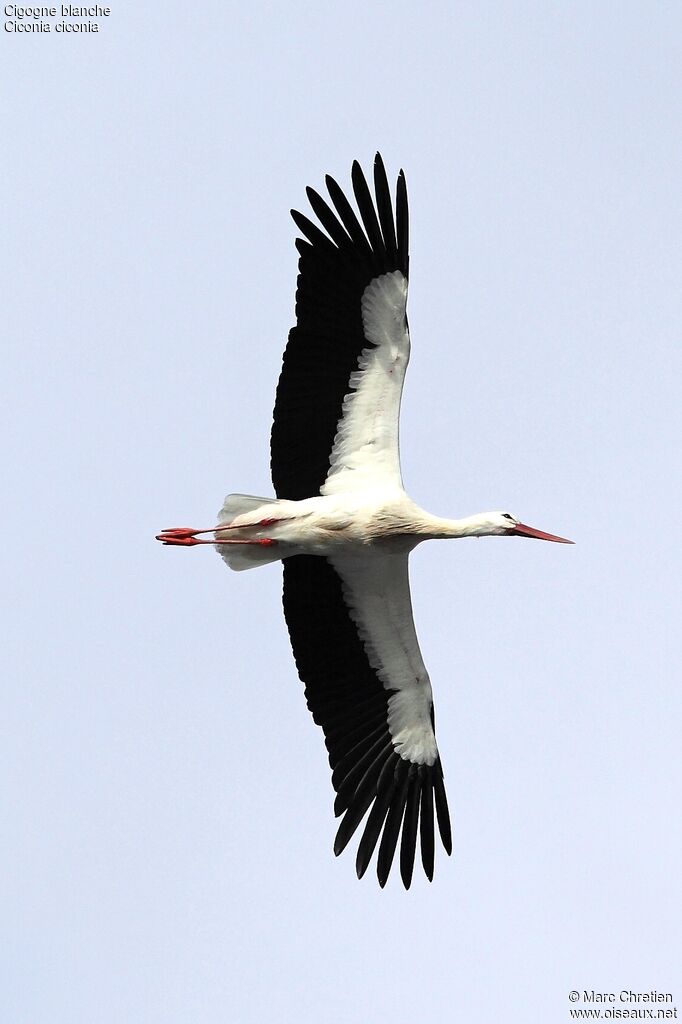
(507, 525)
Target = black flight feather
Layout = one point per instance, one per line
(328, 219)
(367, 211)
(347, 215)
(442, 811)
(366, 784)
(348, 773)
(384, 207)
(373, 826)
(408, 843)
(403, 227)
(426, 837)
(393, 822)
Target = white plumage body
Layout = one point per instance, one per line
(328, 524)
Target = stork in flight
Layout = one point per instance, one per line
(343, 525)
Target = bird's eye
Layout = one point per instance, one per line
(507, 516)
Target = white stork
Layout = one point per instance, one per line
(344, 527)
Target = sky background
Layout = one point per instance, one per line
(167, 806)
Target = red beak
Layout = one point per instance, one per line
(521, 530)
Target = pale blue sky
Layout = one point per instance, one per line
(167, 803)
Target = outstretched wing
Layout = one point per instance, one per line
(354, 641)
(338, 398)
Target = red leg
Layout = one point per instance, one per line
(186, 538)
(187, 531)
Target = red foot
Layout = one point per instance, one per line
(179, 538)
(179, 532)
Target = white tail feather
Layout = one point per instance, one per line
(245, 556)
(237, 504)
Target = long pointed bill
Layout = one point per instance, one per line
(521, 530)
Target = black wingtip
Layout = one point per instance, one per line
(408, 843)
(442, 813)
(340, 805)
(404, 796)
(407, 878)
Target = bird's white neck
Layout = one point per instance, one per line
(435, 528)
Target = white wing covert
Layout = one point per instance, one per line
(366, 450)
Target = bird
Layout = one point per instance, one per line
(343, 525)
